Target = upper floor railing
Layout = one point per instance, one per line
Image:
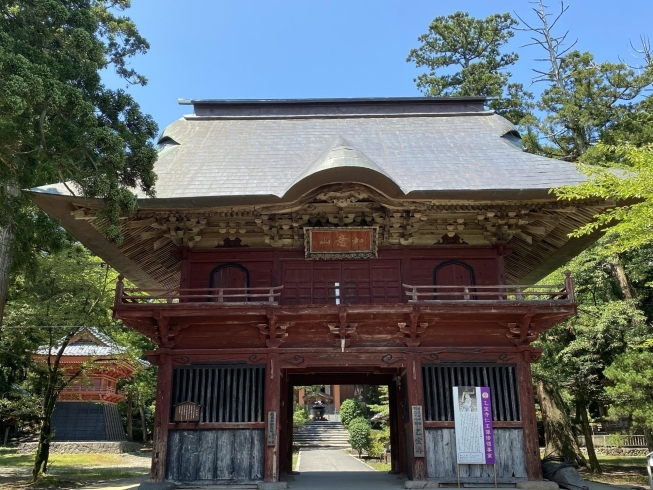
(341, 293)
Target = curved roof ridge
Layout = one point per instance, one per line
(341, 154)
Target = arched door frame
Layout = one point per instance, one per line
(469, 268)
(226, 265)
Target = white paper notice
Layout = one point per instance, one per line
(473, 423)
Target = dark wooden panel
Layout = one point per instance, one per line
(225, 393)
(509, 455)
(215, 456)
(501, 379)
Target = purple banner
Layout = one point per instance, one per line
(488, 434)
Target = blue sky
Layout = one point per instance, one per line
(250, 49)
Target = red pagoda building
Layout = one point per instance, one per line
(340, 242)
(87, 409)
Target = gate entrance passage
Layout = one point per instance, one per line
(335, 376)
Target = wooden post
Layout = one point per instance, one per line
(529, 421)
(336, 397)
(415, 394)
(402, 466)
(120, 291)
(161, 416)
(272, 409)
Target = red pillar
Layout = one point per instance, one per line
(272, 413)
(161, 416)
(529, 420)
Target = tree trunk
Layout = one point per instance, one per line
(558, 433)
(622, 278)
(595, 466)
(141, 408)
(45, 434)
(6, 241)
(648, 434)
(130, 409)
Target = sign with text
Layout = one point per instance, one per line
(418, 432)
(341, 243)
(473, 423)
(272, 429)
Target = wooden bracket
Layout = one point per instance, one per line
(522, 333)
(342, 331)
(165, 334)
(410, 335)
(273, 333)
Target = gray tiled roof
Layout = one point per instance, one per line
(91, 342)
(267, 155)
(430, 153)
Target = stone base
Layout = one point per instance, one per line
(151, 485)
(278, 485)
(537, 485)
(421, 484)
(73, 447)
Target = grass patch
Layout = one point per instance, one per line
(9, 458)
(71, 477)
(385, 467)
(620, 470)
(295, 457)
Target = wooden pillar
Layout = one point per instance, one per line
(272, 412)
(161, 416)
(394, 427)
(402, 424)
(529, 420)
(285, 427)
(336, 397)
(415, 392)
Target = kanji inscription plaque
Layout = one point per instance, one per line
(341, 243)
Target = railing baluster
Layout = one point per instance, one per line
(271, 297)
(466, 291)
(220, 295)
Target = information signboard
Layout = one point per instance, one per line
(473, 424)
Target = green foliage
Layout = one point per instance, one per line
(631, 181)
(586, 101)
(58, 122)
(376, 450)
(464, 57)
(631, 387)
(380, 439)
(299, 416)
(359, 434)
(350, 410)
(73, 289)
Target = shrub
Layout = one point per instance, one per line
(376, 450)
(349, 410)
(359, 435)
(299, 417)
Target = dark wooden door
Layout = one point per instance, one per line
(341, 282)
(231, 276)
(453, 274)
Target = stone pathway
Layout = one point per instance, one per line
(329, 469)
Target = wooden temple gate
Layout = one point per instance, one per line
(382, 239)
(420, 349)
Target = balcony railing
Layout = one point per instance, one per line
(226, 296)
(429, 294)
(341, 293)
